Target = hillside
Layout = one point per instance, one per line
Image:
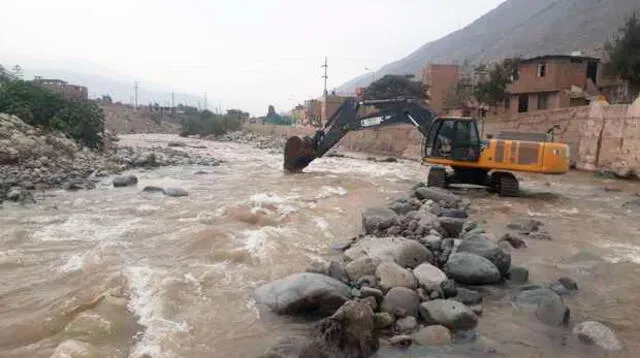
(522, 28)
(124, 120)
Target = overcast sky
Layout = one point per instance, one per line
(246, 54)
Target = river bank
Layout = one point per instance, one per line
(179, 273)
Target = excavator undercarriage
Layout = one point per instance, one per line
(450, 142)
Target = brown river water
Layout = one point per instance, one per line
(141, 275)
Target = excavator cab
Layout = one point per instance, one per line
(454, 138)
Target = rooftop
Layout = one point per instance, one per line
(559, 57)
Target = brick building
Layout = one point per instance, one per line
(312, 112)
(440, 80)
(553, 81)
(68, 91)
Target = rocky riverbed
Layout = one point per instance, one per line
(418, 276)
(32, 160)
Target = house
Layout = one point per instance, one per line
(71, 92)
(552, 81)
(440, 81)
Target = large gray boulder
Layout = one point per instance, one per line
(407, 253)
(375, 220)
(452, 226)
(467, 297)
(125, 180)
(303, 293)
(401, 299)
(350, 332)
(471, 269)
(547, 305)
(175, 192)
(592, 332)
(451, 314)
(429, 276)
(438, 195)
(363, 266)
(390, 275)
(481, 246)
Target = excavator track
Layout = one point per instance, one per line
(505, 184)
(437, 177)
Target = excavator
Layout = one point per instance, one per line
(452, 146)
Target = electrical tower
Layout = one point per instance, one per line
(324, 76)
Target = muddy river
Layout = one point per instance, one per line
(142, 275)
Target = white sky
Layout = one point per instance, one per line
(246, 54)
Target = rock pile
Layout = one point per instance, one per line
(273, 144)
(32, 159)
(417, 267)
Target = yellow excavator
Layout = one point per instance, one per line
(453, 142)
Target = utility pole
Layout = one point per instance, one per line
(326, 67)
(173, 100)
(205, 101)
(135, 87)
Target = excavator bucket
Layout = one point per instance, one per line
(298, 153)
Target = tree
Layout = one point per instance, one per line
(5, 76)
(494, 91)
(17, 72)
(460, 94)
(624, 52)
(395, 86)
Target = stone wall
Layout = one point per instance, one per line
(600, 136)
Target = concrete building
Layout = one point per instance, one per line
(312, 113)
(553, 81)
(68, 91)
(440, 80)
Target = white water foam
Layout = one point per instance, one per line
(85, 227)
(327, 191)
(147, 305)
(621, 252)
(261, 203)
(323, 225)
(256, 241)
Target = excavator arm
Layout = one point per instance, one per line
(300, 151)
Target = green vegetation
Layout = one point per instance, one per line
(395, 86)
(81, 120)
(274, 118)
(208, 123)
(494, 91)
(624, 52)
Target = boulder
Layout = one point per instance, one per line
(488, 249)
(401, 206)
(514, 240)
(337, 271)
(401, 298)
(15, 193)
(405, 325)
(371, 292)
(362, 267)
(390, 275)
(446, 248)
(175, 192)
(467, 297)
(303, 293)
(350, 332)
(632, 204)
(454, 213)
(432, 242)
(437, 335)
(147, 159)
(152, 189)
(176, 144)
(592, 332)
(371, 301)
(525, 225)
(411, 254)
(451, 314)
(377, 219)
(452, 226)
(367, 281)
(546, 304)
(564, 286)
(125, 180)
(407, 253)
(472, 269)
(518, 275)
(449, 288)
(383, 319)
(75, 349)
(401, 341)
(438, 195)
(429, 275)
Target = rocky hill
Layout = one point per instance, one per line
(519, 28)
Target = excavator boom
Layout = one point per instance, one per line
(300, 151)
